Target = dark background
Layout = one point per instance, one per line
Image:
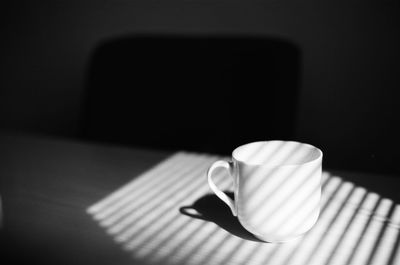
(346, 95)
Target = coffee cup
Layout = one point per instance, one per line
(277, 188)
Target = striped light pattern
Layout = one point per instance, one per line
(355, 226)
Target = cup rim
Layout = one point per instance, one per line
(319, 156)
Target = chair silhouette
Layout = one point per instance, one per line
(199, 93)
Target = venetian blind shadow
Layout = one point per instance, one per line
(356, 226)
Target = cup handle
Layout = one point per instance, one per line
(215, 189)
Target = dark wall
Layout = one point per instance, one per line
(350, 70)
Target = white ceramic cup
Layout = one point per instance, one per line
(277, 188)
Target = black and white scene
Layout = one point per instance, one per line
(200, 132)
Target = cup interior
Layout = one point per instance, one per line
(276, 153)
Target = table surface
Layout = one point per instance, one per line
(69, 202)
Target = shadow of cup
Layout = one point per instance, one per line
(210, 208)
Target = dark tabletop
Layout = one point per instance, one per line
(57, 196)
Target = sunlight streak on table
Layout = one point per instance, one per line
(355, 226)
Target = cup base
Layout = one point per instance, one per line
(280, 241)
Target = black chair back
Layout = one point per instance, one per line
(200, 93)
